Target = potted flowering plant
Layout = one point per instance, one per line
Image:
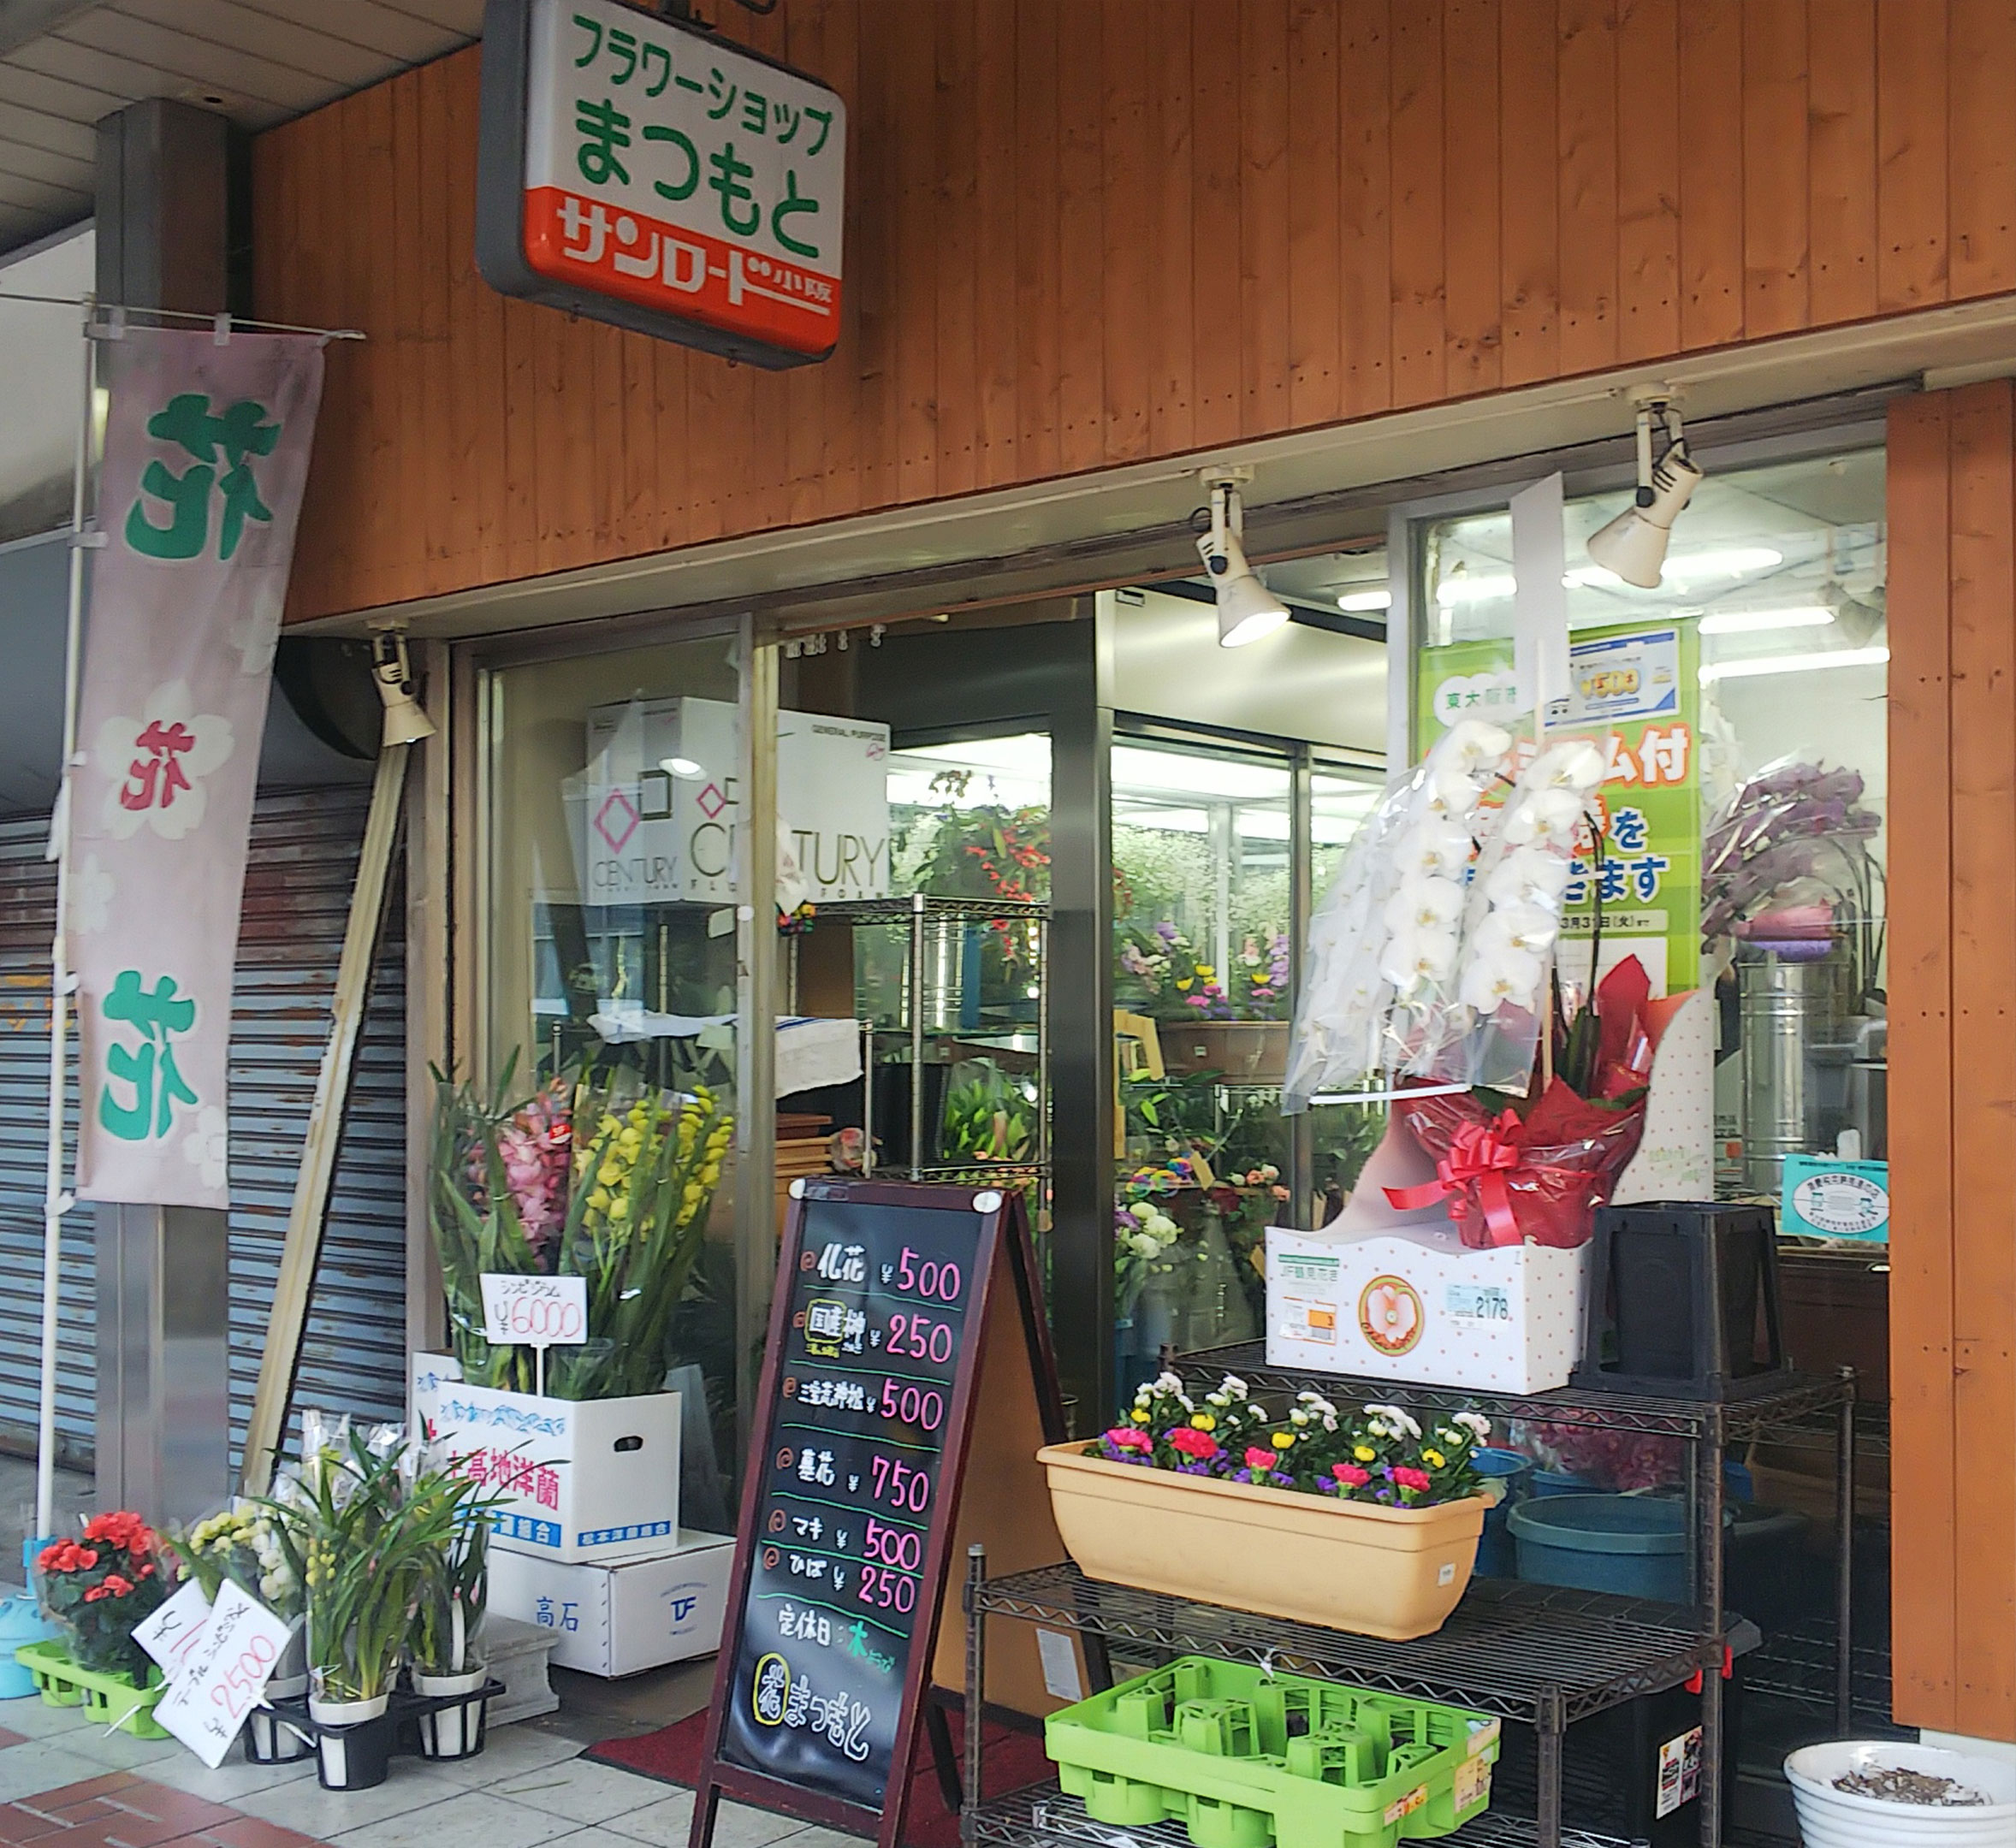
(245, 1545)
(448, 1660)
(102, 1587)
(578, 1180)
(1364, 1520)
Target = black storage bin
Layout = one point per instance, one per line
(1676, 1299)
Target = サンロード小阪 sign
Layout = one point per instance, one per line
(638, 170)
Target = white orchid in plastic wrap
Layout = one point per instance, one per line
(1525, 876)
(1386, 943)
(1424, 903)
(1417, 961)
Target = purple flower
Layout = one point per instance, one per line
(1166, 931)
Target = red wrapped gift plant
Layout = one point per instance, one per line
(1515, 1169)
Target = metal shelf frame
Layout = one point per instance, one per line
(1536, 1653)
(1044, 1817)
(915, 911)
(1707, 1426)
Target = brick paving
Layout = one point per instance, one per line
(124, 1810)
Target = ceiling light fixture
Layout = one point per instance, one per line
(1755, 621)
(1634, 544)
(1365, 600)
(1778, 664)
(678, 767)
(1246, 609)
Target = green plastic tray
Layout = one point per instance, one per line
(1243, 1759)
(111, 1700)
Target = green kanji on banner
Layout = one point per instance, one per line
(161, 1016)
(240, 433)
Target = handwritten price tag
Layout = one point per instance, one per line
(535, 1312)
(174, 1632)
(226, 1675)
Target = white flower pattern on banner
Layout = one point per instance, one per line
(256, 635)
(154, 765)
(92, 892)
(207, 1147)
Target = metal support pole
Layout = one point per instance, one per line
(975, 1687)
(1711, 1572)
(1844, 1562)
(1549, 1725)
(916, 1033)
(1301, 854)
(56, 1201)
(756, 1102)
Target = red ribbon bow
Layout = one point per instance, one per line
(1480, 1156)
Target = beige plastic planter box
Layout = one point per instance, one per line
(1393, 1573)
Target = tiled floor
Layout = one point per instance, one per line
(66, 1785)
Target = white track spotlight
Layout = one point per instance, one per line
(1246, 609)
(1634, 544)
(404, 723)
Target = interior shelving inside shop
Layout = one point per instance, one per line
(951, 995)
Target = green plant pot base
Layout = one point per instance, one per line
(111, 1700)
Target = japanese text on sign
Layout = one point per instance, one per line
(854, 1459)
(226, 1675)
(534, 1311)
(683, 175)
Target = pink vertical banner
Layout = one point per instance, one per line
(206, 454)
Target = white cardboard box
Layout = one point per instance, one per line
(1414, 1303)
(619, 1620)
(587, 1479)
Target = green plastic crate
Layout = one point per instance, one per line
(1243, 1759)
(111, 1700)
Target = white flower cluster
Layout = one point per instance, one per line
(1164, 1382)
(1424, 915)
(1156, 1232)
(1508, 949)
(1313, 1408)
(1390, 1421)
(249, 1527)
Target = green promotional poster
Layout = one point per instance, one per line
(1637, 691)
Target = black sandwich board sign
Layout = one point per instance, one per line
(907, 1362)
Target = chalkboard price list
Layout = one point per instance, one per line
(875, 1334)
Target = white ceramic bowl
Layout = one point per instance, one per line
(1831, 1818)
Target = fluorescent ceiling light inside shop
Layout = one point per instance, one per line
(1493, 587)
(1754, 621)
(1778, 664)
(1365, 600)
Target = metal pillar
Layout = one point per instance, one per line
(164, 1273)
(164, 1398)
(1081, 1013)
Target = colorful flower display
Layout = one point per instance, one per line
(579, 1182)
(1380, 1453)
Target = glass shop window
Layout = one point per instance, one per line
(1743, 848)
(610, 961)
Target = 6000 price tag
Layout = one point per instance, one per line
(535, 1312)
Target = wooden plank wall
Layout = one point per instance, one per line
(1951, 599)
(1089, 234)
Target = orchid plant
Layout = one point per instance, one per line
(1379, 1453)
(1430, 957)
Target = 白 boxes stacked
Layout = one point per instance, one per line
(623, 1618)
(591, 1480)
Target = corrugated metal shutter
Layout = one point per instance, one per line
(303, 860)
(297, 900)
(27, 925)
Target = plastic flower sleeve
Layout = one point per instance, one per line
(1383, 941)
